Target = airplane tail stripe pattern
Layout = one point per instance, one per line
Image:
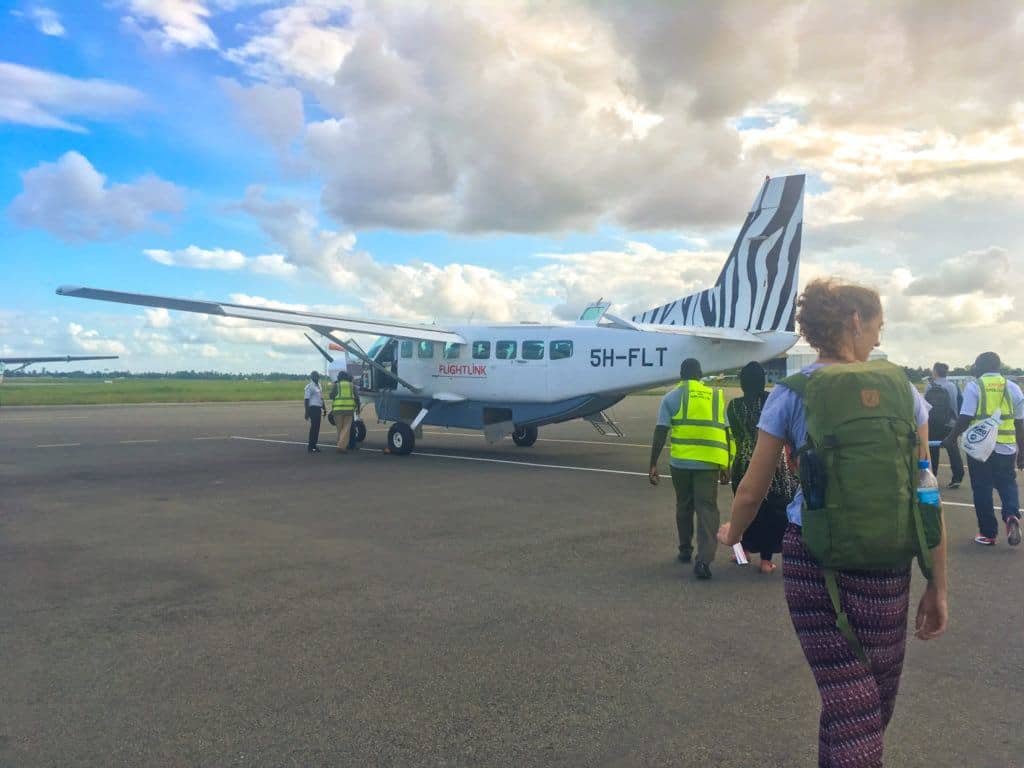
(756, 289)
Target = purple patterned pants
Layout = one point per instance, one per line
(856, 701)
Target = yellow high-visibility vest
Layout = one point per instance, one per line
(344, 400)
(992, 394)
(699, 432)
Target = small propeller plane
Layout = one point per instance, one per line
(25, 362)
(511, 379)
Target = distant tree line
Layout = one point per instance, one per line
(205, 375)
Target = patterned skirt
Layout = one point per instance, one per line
(857, 701)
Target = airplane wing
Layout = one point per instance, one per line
(61, 359)
(267, 315)
(705, 331)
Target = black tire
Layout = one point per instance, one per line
(401, 439)
(524, 437)
(359, 430)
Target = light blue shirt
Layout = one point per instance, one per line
(783, 417)
(970, 407)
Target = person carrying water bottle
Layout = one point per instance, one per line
(860, 430)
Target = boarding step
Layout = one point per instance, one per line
(605, 425)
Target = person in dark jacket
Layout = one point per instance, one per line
(764, 535)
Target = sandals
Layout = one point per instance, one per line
(767, 566)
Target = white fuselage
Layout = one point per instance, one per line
(552, 363)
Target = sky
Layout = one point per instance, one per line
(502, 160)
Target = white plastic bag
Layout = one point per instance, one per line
(980, 440)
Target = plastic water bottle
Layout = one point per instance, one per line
(927, 485)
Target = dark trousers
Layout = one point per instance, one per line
(697, 492)
(999, 473)
(315, 413)
(956, 463)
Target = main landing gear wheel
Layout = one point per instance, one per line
(524, 437)
(401, 440)
(359, 430)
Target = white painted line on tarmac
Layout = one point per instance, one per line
(47, 418)
(58, 445)
(472, 458)
(276, 434)
(134, 442)
(544, 439)
(215, 437)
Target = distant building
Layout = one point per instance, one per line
(801, 355)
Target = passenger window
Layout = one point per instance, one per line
(505, 350)
(481, 350)
(452, 351)
(406, 349)
(533, 350)
(561, 350)
(425, 349)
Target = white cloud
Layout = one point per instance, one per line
(171, 24)
(158, 317)
(194, 257)
(273, 264)
(72, 200)
(307, 40)
(198, 258)
(92, 341)
(273, 113)
(47, 20)
(44, 99)
(984, 271)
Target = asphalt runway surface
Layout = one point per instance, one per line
(176, 595)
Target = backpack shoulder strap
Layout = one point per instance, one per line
(842, 620)
(797, 382)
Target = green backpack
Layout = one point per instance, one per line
(859, 475)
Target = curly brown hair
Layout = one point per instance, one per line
(825, 308)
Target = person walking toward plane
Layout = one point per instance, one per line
(855, 651)
(314, 410)
(344, 401)
(981, 397)
(701, 450)
(764, 535)
(945, 401)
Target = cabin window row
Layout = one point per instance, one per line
(481, 350)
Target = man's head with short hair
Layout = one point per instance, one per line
(690, 369)
(315, 376)
(987, 362)
(939, 370)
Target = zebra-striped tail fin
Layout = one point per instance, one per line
(756, 290)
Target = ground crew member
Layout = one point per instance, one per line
(344, 401)
(701, 450)
(990, 391)
(314, 410)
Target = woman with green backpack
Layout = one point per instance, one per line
(859, 429)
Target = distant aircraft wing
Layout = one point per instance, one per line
(705, 332)
(267, 315)
(61, 359)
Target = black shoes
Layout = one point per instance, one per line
(312, 450)
(684, 557)
(953, 485)
(702, 570)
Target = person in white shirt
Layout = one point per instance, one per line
(991, 391)
(314, 410)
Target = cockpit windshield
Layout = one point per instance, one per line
(594, 312)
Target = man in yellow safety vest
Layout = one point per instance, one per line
(344, 401)
(990, 390)
(692, 416)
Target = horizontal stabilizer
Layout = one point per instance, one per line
(705, 332)
(270, 315)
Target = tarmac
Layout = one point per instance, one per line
(186, 585)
